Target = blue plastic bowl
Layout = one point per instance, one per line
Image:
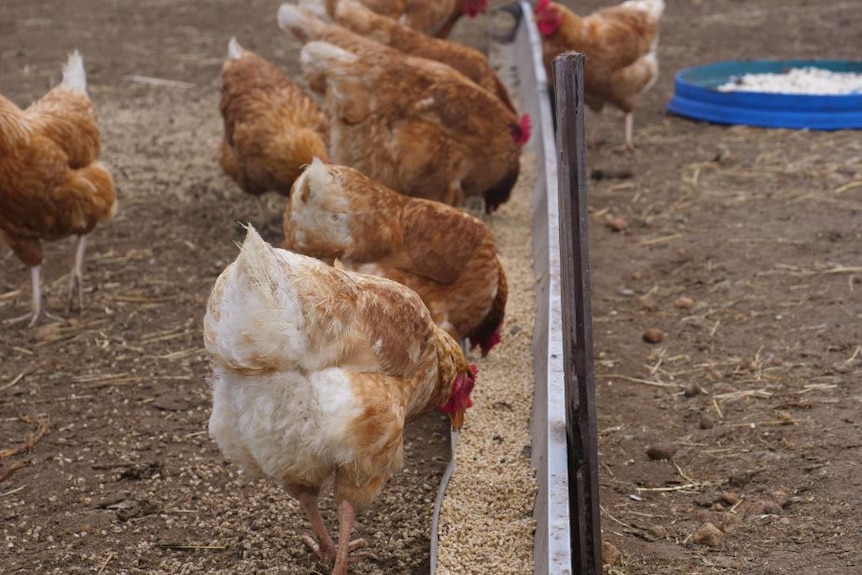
(695, 96)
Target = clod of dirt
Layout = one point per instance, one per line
(761, 507)
(730, 498)
(692, 389)
(780, 497)
(730, 522)
(661, 450)
(740, 478)
(141, 471)
(722, 156)
(785, 418)
(49, 331)
(610, 554)
(617, 224)
(708, 535)
(658, 531)
(653, 335)
(707, 421)
(647, 303)
(684, 302)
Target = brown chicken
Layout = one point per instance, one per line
(51, 183)
(445, 255)
(471, 63)
(315, 372)
(272, 129)
(432, 17)
(415, 125)
(620, 43)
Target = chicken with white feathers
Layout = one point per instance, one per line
(315, 372)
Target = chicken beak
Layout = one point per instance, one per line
(457, 419)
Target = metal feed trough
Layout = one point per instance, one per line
(564, 437)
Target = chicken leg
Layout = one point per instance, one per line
(629, 146)
(324, 548)
(76, 276)
(346, 518)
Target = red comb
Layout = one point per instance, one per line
(522, 130)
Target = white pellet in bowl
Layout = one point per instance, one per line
(810, 80)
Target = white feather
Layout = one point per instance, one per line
(234, 50)
(258, 322)
(654, 7)
(291, 17)
(319, 209)
(74, 76)
(275, 412)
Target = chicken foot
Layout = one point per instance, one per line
(38, 311)
(324, 547)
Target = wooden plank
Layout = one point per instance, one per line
(581, 429)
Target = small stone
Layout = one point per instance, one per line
(708, 535)
(706, 421)
(653, 335)
(637, 276)
(684, 302)
(617, 223)
(610, 554)
(691, 390)
(785, 418)
(661, 450)
(658, 531)
(647, 303)
(730, 498)
(763, 507)
(780, 497)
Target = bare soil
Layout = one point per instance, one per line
(741, 245)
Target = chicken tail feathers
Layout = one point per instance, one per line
(234, 50)
(299, 21)
(254, 322)
(74, 76)
(654, 8)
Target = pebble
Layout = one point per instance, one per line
(617, 224)
(730, 498)
(691, 390)
(708, 535)
(684, 302)
(762, 507)
(653, 335)
(661, 450)
(647, 303)
(707, 421)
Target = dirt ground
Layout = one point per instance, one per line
(742, 246)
